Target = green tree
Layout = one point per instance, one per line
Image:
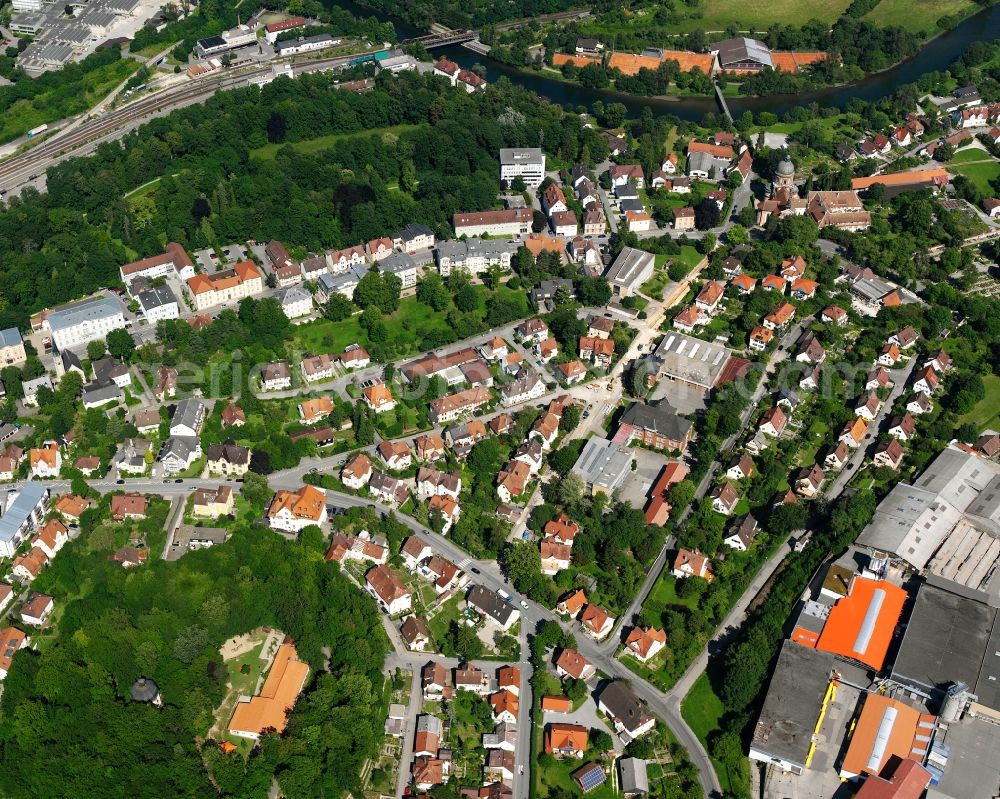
(338, 308)
(121, 345)
(95, 349)
(431, 291)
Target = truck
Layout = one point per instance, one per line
(505, 595)
(36, 131)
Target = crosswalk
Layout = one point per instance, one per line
(464, 564)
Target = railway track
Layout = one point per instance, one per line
(26, 166)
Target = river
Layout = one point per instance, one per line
(936, 55)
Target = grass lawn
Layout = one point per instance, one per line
(916, 16)
(980, 174)
(968, 154)
(986, 414)
(702, 710)
(655, 285)
(440, 621)
(718, 14)
(268, 151)
(556, 777)
(664, 593)
(689, 256)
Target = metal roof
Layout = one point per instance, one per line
(20, 508)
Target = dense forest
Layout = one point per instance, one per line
(441, 159)
(68, 727)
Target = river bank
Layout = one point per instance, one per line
(936, 55)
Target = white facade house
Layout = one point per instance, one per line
(242, 281)
(81, 322)
(402, 266)
(157, 304)
(296, 302)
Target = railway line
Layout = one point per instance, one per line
(29, 165)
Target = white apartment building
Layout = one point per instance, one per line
(527, 163)
(158, 303)
(81, 322)
(508, 222)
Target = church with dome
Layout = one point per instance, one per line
(840, 209)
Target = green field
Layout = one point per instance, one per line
(717, 15)
(969, 154)
(986, 414)
(702, 710)
(916, 16)
(320, 143)
(981, 174)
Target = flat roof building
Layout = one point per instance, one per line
(951, 636)
(629, 271)
(691, 361)
(603, 466)
(791, 712)
(527, 163)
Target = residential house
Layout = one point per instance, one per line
(188, 418)
(415, 633)
(414, 552)
(28, 566)
(724, 499)
(780, 316)
(572, 603)
(853, 433)
(692, 563)
(878, 378)
(903, 427)
(505, 706)
(354, 356)
(645, 643)
(835, 315)
(379, 398)
(740, 468)
(276, 376)
(889, 356)
(809, 482)
(919, 404)
(868, 407)
(596, 621)
(709, 297)
(128, 506)
(760, 338)
(838, 456)
(773, 422)
(927, 381)
(291, 511)
(37, 610)
(315, 410)
(631, 719)
(493, 607)
(555, 556)
(940, 362)
(228, 459)
(889, 453)
(212, 503)
(431, 482)
(742, 533)
(357, 472)
(512, 480)
(45, 461)
(447, 508)
(683, 218)
(388, 590)
(51, 537)
(429, 447)
(565, 740)
(570, 663)
(318, 367)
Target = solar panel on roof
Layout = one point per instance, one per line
(592, 778)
